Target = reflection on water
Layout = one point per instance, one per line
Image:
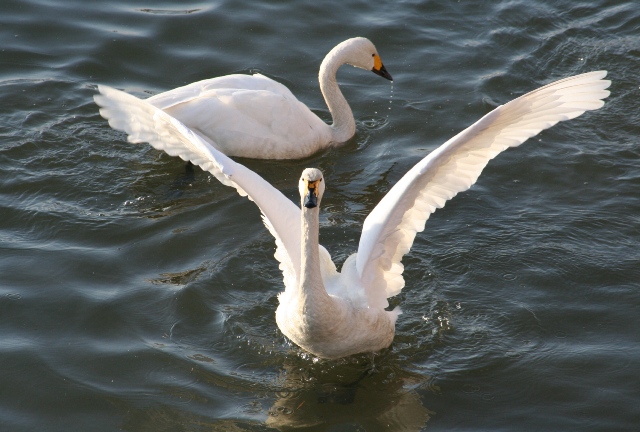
(355, 395)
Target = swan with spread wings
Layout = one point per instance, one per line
(331, 314)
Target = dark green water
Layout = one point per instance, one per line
(135, 296)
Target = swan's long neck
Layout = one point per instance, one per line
(311, 289)
(344, 126)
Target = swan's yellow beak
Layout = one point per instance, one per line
(379, 69)
(311, 193)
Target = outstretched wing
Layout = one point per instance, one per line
(390, 229)
(144, 122)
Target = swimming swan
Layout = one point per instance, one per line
(254, 116)
(331, 314)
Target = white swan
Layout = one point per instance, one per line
(254, 116)
(333, 314)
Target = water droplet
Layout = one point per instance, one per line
(390, 98)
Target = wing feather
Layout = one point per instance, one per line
(390, 229)
(197, 89)
(144, 122)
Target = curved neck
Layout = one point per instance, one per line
(344, 126)
(311, 287)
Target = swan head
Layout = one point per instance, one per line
(311, 187)
(360, 52)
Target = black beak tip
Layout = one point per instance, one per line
(310, 201)
(383, 73)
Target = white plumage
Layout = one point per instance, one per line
(333, 314)
(254, 116)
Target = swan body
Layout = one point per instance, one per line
(331, 314)
(254, 116)
(321, 323)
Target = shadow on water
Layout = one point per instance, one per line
(354, 394)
